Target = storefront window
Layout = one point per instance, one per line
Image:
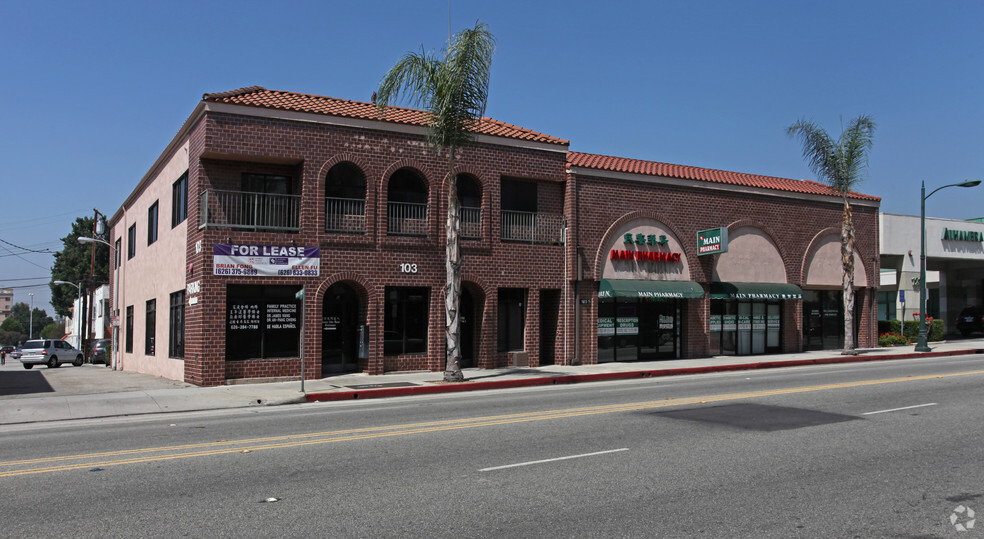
(405, 330)
(644, 329)
(744, 327)
(626, 331)
(606, 331)
(823, 319)
(887, 305)
(262, 322)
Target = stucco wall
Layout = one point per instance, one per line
(154, 272)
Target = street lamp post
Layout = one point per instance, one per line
(78, 318)
(921, 344)
(30, 334)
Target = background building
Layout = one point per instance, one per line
(101, 317)
(6, 303)
(954, 264)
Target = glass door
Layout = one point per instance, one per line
(758, 328)
(773, 323)
(626, 331)
(744, 328)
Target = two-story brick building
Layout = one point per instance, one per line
(277, 225)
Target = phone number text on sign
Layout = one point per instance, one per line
(229, 269)
(266, 260)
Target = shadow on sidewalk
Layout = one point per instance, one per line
(23, 383)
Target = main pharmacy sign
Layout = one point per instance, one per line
(712, 242)
(266, 260)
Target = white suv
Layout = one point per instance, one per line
(50, 352)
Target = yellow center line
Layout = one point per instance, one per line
(222, 447)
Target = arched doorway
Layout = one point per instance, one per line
(340, 330)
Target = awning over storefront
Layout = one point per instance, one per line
(779, 291)
(633, 288)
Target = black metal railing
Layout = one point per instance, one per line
(533, 227)
(471, 223)
(345, 215)
(407, 219)
(251, 211)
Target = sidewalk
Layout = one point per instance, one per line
(92, 391)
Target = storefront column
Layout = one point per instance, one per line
(792, 324)
(696, 329)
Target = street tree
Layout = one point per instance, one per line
(453, 91)
(14, 329)
(840, 164)
(21, 313)
(72, 264)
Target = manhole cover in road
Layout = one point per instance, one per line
(380, 386)
(758, 416)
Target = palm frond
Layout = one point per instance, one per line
(462, 87)
(838, 164)
(452, 90)
(855, 143)
(411, 78)
(819, 149)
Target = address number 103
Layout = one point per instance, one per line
(408, 268)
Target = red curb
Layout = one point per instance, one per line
(600, 377)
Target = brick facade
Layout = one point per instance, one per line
(561, 283)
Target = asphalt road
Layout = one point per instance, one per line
(888, 449)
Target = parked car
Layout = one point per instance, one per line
(970, 320)
(50, 352)
(97, 351)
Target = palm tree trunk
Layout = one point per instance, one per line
(452, 288)
(847, 259)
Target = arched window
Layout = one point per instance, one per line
(406, 197)
(345, 199)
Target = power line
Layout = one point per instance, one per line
(27, 286)
(18, 255)
(45, 251)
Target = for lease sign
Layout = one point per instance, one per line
(266, 260)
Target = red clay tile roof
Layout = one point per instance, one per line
(653, 168)
(258, 96)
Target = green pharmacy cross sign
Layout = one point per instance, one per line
(712, 242)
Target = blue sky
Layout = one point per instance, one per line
(93, 91)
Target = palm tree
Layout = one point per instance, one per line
(453, 90)
(840, 164)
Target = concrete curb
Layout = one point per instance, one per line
(599, 377)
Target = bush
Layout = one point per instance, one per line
(911, 330)
(893, 339)
(889, 326)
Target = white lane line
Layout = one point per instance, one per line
(900, 409)
(552, 460)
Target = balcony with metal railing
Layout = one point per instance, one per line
(407, 219)
(533, 227)
(345, 215)
(250, 211)
(471, 223)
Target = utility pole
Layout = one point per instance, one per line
(96, 229)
